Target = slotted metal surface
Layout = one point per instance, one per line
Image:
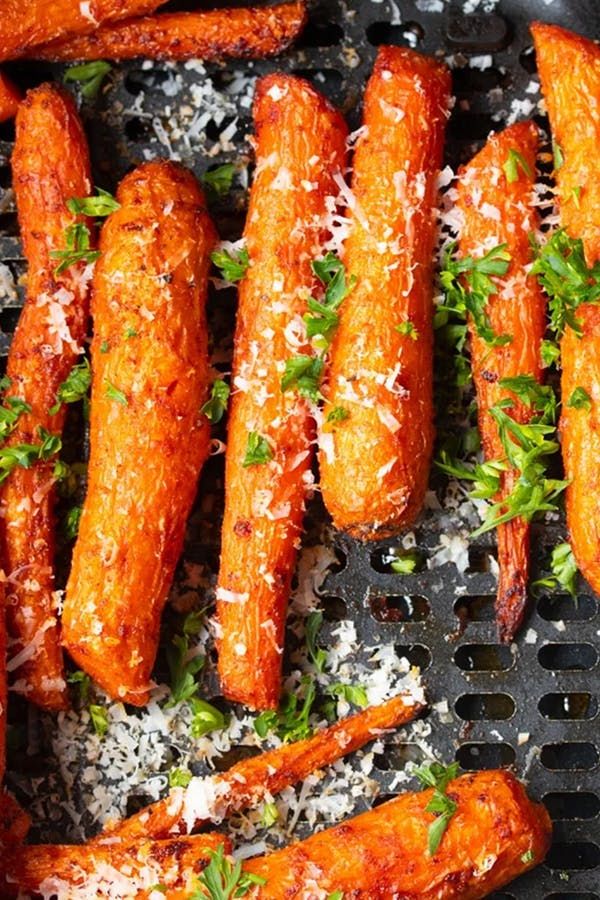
(532, 706)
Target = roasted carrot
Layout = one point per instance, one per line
(300, 148)
(248, 781)
(208, 34)
(495, 195)
(10, 97)
(14, 823)
(148, 440)
(569, 68)
(144, 869)
(24, 25)
(496, 834)
(50, 165)
(375, 462)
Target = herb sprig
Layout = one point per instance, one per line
(216, 405)
(437, 776)
(74, 387)
(290, 721)
(223, 879)
(563, 567)
(232, 263)
(89, 77)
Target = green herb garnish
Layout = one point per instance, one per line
(98, 207)
(179, 777)
(113, 393)
(258, 450)
(223, 879)
(564, 571)
(438, 777)
(514, 162)
(74, 387)
(337, 414)
(219, 180)
(352, 693)
(324, 319)
(567, 279)
(233, 265)
(580, 399)
(290, 721)
(89, 77)
(312, 626)
(215, 407)
(77, 240)
(408, 330)
(304, 374)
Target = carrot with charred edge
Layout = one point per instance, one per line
(300, 146)
(517, 310)
(375, 462)
(148, 440)
(208, 35)
(24, 25)
(496, 834)
(248, 781)
(50, 165)
(99, 869)
(10, 97)
(569, 68)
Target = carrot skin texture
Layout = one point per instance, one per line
(10, 97)
(147, 444)
(176, 863)
(50, 164)
(208, 35)
(521, 315)
(270, 772)
(25, 25)
(375, 463)
(300, 142)
(383, 853)
(569, 68)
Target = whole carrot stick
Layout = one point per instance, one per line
(207, 34)
(148, 439)
(495, 835)
(10, 97)
(50, 165)
(23, 25)
(248, 781)
(375, 461)
(569, 68)
(300, 147)
(495, 195)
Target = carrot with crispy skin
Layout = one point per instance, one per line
(300, 146)
(496, 834)
(24, 25)
(10, 97)
(148, 440)
(569, 69)
(50, 165)
(110, 868)
(517, 310)
(242, 33)
(249, 781)
(375, 462)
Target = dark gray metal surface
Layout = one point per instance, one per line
(496, 695)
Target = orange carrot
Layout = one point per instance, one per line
(569, 68)
(248, 781)
(375, 462)
(50, 165)
(148, 439)
(300, 148)
(495, 196)
(10, 97)
(242, 33)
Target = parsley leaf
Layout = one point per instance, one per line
(233, 265)
(74, 387)
(183, 668)
(405, 561)
(219, 180)
(223, 879)
(83, 680)
(269, 816)
(10, 414)
(258, 450)
(290, 721)
(100, 206)
(467, 286)
(337, 414)
(557, 156)
(99, 718)
(179, 777)
(514, 162)
(89, 76)
(312, 627)
(304, 374)
(25, 455)
(332, 274)
(71, 524)
(408, 329)
(113, 393)
(336, 895)
(77, 239)
(215, 406)
(567, 279)
(549, 353)
(564, 571)
(528, 856)
(205, 718)
(438, 777)
(352, 693)
(580, 399)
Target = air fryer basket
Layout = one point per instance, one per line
(532, 706)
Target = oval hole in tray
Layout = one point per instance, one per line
(567, 657)
(321, 34)
(580, 705)
(575, 855)
(569, 805)
(480, 707)
(385, 33)
(563, 607)
(484, 658)
(399, 609)
(480, 755)
(571, 896)
(417, 654)
(475, 609)
(334, 608)
(395, 756)
(569, 756)
(480, 559)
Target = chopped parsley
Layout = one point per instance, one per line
(74, 387)
(258, 450)
(104, 347)
(10, 414)
(216, 405)
(576, 195)
(408, 330)
(549, 353)
(405, 561)
(99, 718)
(336, 895)
(567, 279)
(337, 414)
(218, 181)
(269, 816)
(580, 399)
(290, 721)
(438, 777)
(77, 249)
(223, 879)
(130, 333)
(323, 318)
(25, 455)
(351, 693)
(312, 627)
(514, 162)
(205, 718)
(71, 523)
(183, 668)
(528, 856)
(98, 207)
(113, 393)
(98, 714)
(564, 571)
(89, 77)
(304, 373)
(233, 265)
(179, 777)
(468, 286)
(557, 156)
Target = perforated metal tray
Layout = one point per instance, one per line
(532, 706)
